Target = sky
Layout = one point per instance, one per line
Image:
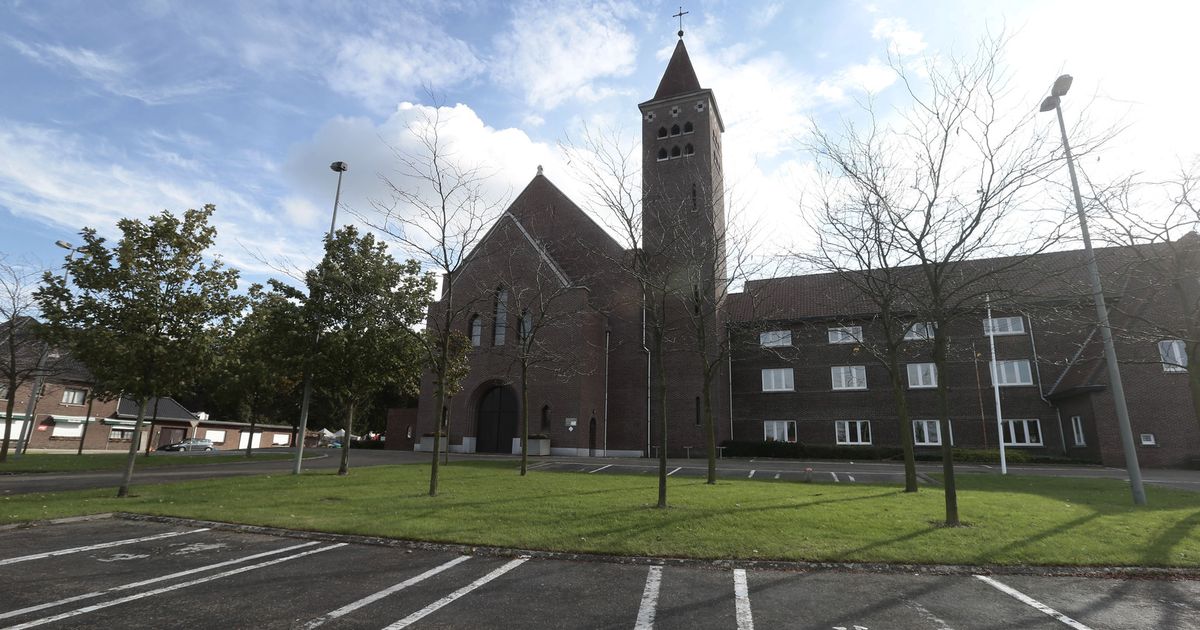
(116, 109)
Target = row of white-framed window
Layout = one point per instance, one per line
(500, 323)
(918, 331)
(70, 396)
(1022, 432)
(1012, 373)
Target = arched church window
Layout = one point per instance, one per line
(476, 330)
(674, 130)
(662, 132)
(687, 127)
(662, 154)
(500, 329)
(524, 326)
(688, 150)
(545, 418)
(675, 152)
(698, 422)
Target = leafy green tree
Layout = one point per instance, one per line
(368, 310)
(141, 315)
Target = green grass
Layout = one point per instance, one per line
(1013, 520)
(70, 462)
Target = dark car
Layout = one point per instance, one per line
(190, 444)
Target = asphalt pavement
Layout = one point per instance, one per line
(116, 573)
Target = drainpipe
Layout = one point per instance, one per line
(729, 377)
(607, 333)
(1062, 438)
(646, 349)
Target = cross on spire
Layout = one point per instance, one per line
(680, 16)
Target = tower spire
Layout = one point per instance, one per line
(680, 16)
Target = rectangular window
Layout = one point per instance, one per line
(73, 396)
(500, 325)
(1004, 326)
(120, 435)
(779, 431)
(920, 331)
(849, 376)
(853, 431)
(281, 439)
(217, 437)
(1077, 429)
(775, 338)
(922, 375)
(67, 429)
(3, 392)
(1022, 432)
(1148, 439)
(1008, 373)
(845, 334)
(927, 433)
(777, 380)
(1173, 354)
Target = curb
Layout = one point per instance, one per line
(1117, 572)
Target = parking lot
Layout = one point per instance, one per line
(116, 573)
(768, 470)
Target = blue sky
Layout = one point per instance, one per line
(115, 109)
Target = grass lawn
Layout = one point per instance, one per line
(70, 462)
(1014, 520)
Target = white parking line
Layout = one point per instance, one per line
(741, 591)
(600, 468)
(353, 606)
(851, 478)
(675, 471)
(115, 543)
(751, 475)
(1029, 601)
(645, 618)
(124, 587)
(166, 589)
(435, 606)
(835, 477)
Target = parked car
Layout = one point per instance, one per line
(190, 444)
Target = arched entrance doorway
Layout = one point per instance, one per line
(496, 421)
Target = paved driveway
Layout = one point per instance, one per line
(115, 573)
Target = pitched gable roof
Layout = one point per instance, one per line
(680, 76)
(168, 409)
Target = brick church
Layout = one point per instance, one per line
(791, 370)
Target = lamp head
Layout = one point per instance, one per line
(1049, 104)
(64, 245)
(339, 167)
(1061, 85)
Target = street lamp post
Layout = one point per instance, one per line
(1054, 102)
(306, 397)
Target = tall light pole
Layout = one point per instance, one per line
(1054, 102)
(306, 397)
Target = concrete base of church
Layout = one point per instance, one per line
(584, 452)
(426, 445)
(536, 447)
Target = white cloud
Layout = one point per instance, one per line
(555, 53)
(385, 66)
(871, 77)
(901, 39)
(762, 16)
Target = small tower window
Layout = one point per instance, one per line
(687, 127)
(662, 132)
(688, 150)
(674, 130)
(675, 152)
(662, 154)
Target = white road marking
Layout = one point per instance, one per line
(835, 477)
(115, 543)
(435, 606)
(166, 589)
(929, 616)
(851, 478)
(751, 474)
(741, 591)
(985, 465)
(600, 468)
(675, 471)
(172, 576)
(645, 617)
(369, 599)
(122, 557)
(197, 548)
(1029, 601)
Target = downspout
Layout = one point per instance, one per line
(729, 376)
(1062, 438)
(646, 349)
(607, 333)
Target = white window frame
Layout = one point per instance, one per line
(1002, 326)
(216, 435)
(1020, 428)
(841, 432)
(772, 429)
(920, 331)
(64, 429)
(778, 380)
(1077, 431)
(3, 392)
(845, 334)
(120, 434)
(917, 374)
(280, 439)
(1173, 353)
(848, 377)
(1011, 377)
(1147, 439)
(82, 395)
(923, 436)
(775, 338)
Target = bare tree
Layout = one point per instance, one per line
(22, 348)
(437, 213)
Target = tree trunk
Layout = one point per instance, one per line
(1194, 376)
(524, 416)
(344, 468)
(123, 491)
(710, 429)
(153, 420)
(87, 417)
(939, 358)
(906, 429)
(8, 418)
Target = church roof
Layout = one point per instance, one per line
(680, 77)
